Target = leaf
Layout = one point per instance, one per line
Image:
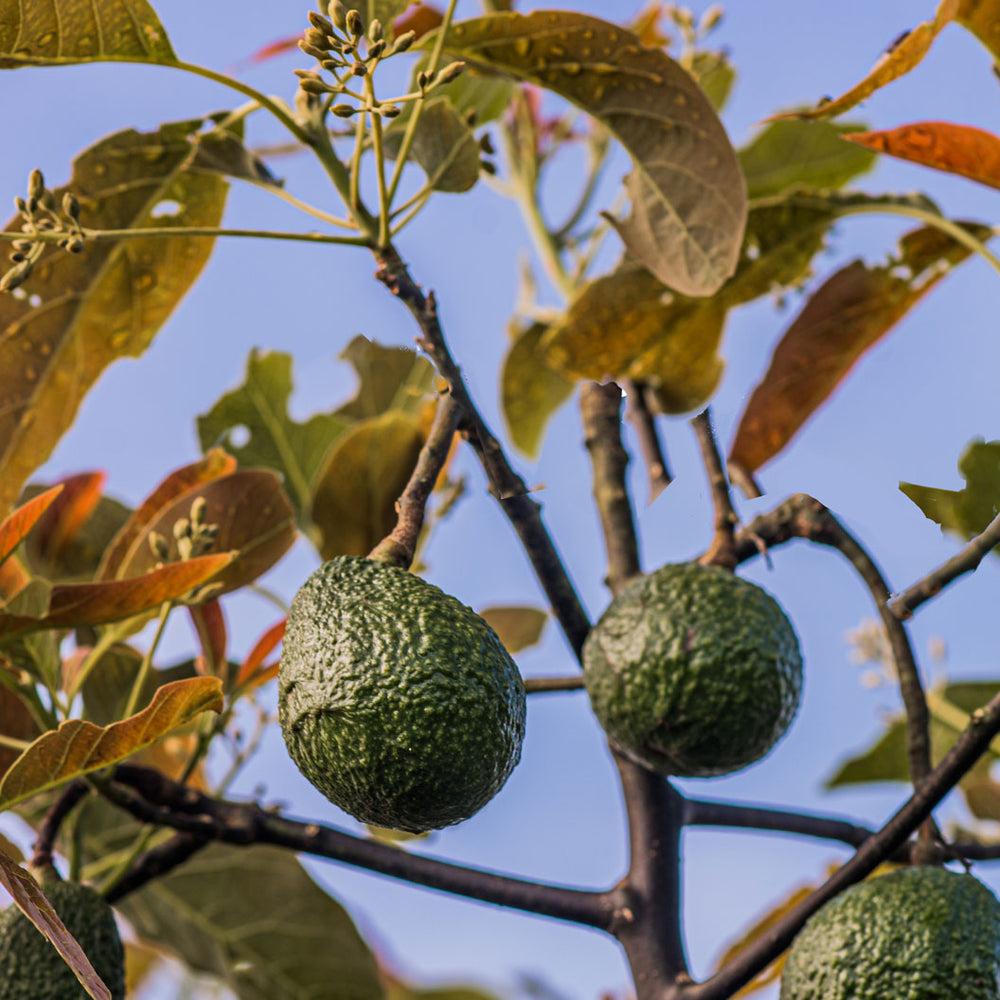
(385, 10)
(62, 32)
(715, 75)
(845, 317)
(210, 625)
(16, 721)
(260, 408)
(965, 512)
(213, 465)
(445, 148)
(688, 197)
(518, 626)
(32, 902)
(788, 154)
(354, 505)
(78, 747)
(16, 525)
(956, 149)
(255, 520)
(86, 310)
(249, 672)
(74, 604)
(902, 56)
(531, 390)
(253, 917)
(389, 378)
(982, 18)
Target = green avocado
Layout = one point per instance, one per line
(31, 968)
(693, 671)
(917, 933)
(396, 701)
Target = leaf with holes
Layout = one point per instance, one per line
(17, 524)
(79, 312)
(79, 747)
(389, 378)
(253, 917)
(688, 195)
(62, 32)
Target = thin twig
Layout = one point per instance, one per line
(153, 798)
(544, 685)
(399, 547)
(48, 829)
(155, 863)
(722, 551)
(640, 416)
(903, 605)
(600, 408)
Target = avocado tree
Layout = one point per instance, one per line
(133, 752)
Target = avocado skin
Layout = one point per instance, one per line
(398, 702)
(31, 968)
(915, 934)
(693, 671)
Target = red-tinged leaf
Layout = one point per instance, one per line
(32, 902)
(17, 524)
(215, 464)
(419, 18)
(263, 648)
(78, 747)
(13, 577)
(210, 624)
(957, 149)
(73, 604)
(273, 50)
(845, 317)
(901, 57)
(61, 523)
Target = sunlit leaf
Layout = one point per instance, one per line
(78, 747)
(210, 624)
(445, 148)
(965, 512)
(531, 391)
(398, 989)
(844, 318)
(518, 626)
(80, 312)
(786, 154)
(61, 32)
(715, 75)
(389, 378)
(32, 902)
(688, 196)
(253, 917)
(354, 505)
(16, 525)
(902, 56)
(249, 671)
(956, 149)
(982, 18)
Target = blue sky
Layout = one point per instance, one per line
(906, 414)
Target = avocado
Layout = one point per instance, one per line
(693, 671)
(396, 701)
(31, 968)
(921, 933)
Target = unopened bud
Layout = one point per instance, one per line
(70, 206)
(355, 26)
(488, 167)
(711, 18)
(314, 87)
(375, 49)
(343, 110)
(20, 205)
(359, 69)
(375, 30)
(450, 72)
(12, 279)
(36, 184)
(311, 50)
(16, 257)
(338, 14)
(158, 545)
(486, 144)
(74, 245)
(422, 80)
(320, 22)
(405, 40)
(198, 506)
(318, 39)
(389, 110)
(182, 528)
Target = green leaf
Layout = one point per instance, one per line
(83, 311)
(787, 154)
(477, 93)
(688, 198)
(389, 378)
(253, 917)
(354, 503)
(715, 75)
(965, 512)
(385, 10)
(445, 148)
(518, 626)
(260, 408)
(61, 32)
(531, 391)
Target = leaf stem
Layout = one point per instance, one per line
(147, 661)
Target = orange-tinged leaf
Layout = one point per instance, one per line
(214, 464)
(32, 902)
(17, 524)
(419, 18)
(210, 624)
(61, 523)
(901, 57)
(262, 648)
(982, 18)
(957, 149)
(78, 747)
(73, 604)
(13, 576)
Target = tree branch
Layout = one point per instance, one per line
(903, 605)
(722, 551)
(153, 798)
(509, 489)
(157, 862)
(48, 829)
(640, 416)
(544, 685)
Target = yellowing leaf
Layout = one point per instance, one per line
(83, 311)
(957, 149)
(78, 747)
(518, 626)
(389, 378)
(982, 18)
(902, 56)
(17, 525)
(60, 32)
(688, 196)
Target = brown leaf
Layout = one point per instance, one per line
(982, 18)
(17, 524)
(63, 520)
(213, 465)
(73, 604)
(78, 747)
(210, 624)
(16, 721)
(518, 626)
(255, 521)
(957, 149)
(901, 57)
(32, 902)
